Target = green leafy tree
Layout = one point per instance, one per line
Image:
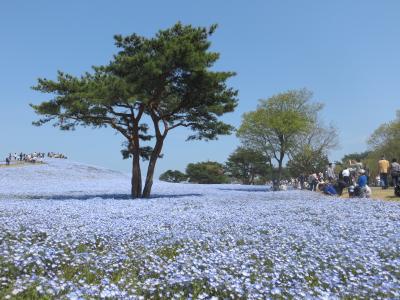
(385, 140)
(168, 78)
(247, 164)
(279, 123)
(206, 172)
(307, 161)
(173, 176)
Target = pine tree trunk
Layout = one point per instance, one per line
(136, 186)
(152, 165)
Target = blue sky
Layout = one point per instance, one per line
(346, 52)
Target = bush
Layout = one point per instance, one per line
(173, 176)
(206, 172)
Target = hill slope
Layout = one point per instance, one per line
(64, 177)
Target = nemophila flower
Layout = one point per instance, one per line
(218, 239)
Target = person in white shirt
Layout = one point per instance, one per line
(346, 176)
(313, 182)
(330, 173)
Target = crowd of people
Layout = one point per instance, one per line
(33, 157)
(355, 177)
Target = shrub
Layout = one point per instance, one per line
(206, 172)
(173, 176)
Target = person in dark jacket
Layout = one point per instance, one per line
(395, 172)
(339, 186)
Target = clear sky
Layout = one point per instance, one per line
(346, 52)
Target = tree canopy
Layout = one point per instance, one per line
(206, 172)
(246, 165)
(167, 77)
(385, 140)
(279, 123)
(173, 176)
(307, 161)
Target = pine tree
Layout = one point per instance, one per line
(167, 78)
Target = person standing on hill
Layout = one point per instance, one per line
(330, 173)
(383, 166)
(313, 182)
(395, 171)
(302, 179)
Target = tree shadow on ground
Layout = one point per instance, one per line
(106, 196)
(244, 189)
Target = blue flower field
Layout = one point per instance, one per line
(70, 231)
